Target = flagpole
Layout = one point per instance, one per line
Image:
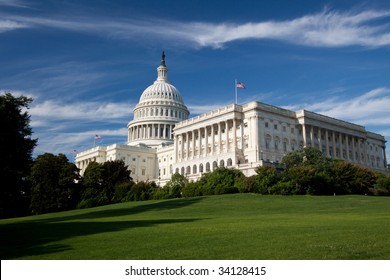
(235, 87)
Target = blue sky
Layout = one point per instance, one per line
(86, 63)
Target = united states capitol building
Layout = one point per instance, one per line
(162, 140)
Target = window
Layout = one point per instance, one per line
(275, 126)
(266, 124)
(292, 130)
(284, 129)
(143, 172)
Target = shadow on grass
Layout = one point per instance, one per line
(29, 238)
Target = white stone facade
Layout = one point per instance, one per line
(162, 141)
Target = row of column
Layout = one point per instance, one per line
(150, 131)
(358, 153)
(191, 141)
(84, 163)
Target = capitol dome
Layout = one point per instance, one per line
(159, 108)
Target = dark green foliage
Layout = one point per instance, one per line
(54, 185)
(16, 147)
(247, 184)
(308, 157)
(142, 191)
(192, 189)
(173, 188)
(382, 186)
(266, 177)
(352, 179)
(100, 182)
(221, 181)
(122, 190)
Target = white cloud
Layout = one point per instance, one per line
(9, 25)
(49, 111)
(326, 29)
(13, 3)
(370, 108)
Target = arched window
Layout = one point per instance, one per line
(188, 170)
(207, 167)
(222, 163)
(194, 169)
(215, 165)
(229, 162)
(201, 168)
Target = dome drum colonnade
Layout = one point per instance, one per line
(160, 107)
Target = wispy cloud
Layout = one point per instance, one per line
(325, 29)
(13, 3)
(49, 111)
(9, 25)
(370, 108)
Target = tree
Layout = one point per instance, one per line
(16, 147)
(307, 156)
(174, 187)
(101, 181)
(54, 184)
(266, 177)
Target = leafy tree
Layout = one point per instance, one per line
(221, 181)
(16, 147)
(54, 184)
(175, 186)
(101, 181)
(382, 186)
(349, 178)
(266, 177)
(142, 191)
(307, 156)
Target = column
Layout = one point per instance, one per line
(359, 151)
(182, 146)
(170, 131)
(366, 160)
(206, 141)
(212, 139)
(199, 142)
(319, 140)
(220, 148)
(242, 134)
(312, 136)
(234, 134)
(304, 135)
(176, 143)
(327, 143)
(353, 149)
(193, 143)
(341, 145)
(227, 135)
(334, 144)
(347, 145)
(187, 144)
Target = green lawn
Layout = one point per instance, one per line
(240, 226)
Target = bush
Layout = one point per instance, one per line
(283, 188)
(382, 186)
(266, 177)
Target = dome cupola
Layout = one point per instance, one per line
(159, 108)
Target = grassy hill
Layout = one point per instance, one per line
(240, 226)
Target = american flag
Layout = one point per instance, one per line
(240, 85)
(98, 137)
